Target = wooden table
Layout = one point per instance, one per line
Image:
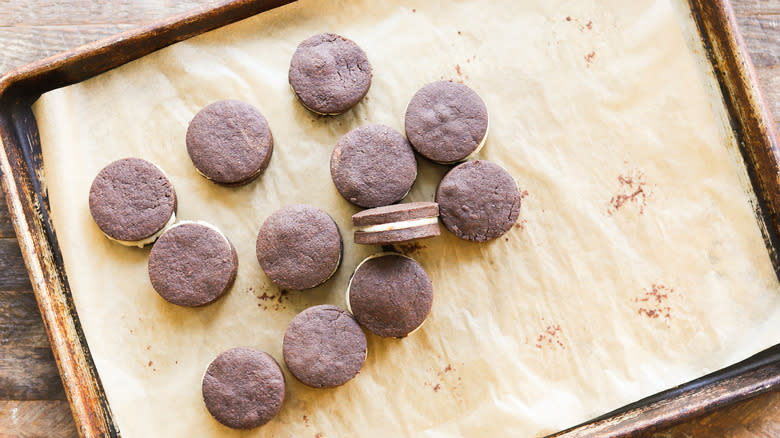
(32, 402)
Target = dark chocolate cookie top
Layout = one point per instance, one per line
(329, 73)
(478, 201)
(446, 121)
(299, 247)
(131, 199)
(324, 346)
(243, 388)
(192, 264)
(229, 142)
(373, 165)
(390, 295)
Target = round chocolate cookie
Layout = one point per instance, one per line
(192, 264)
(373, 165)
(299, 247)
(132, 201)
(229, 142)
(243, 388)
(446, 122)
(390, 295)
(324, 346)
(396, 223)
(329, 73)
(478, 201)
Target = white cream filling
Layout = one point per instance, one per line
(257, 172)
(141, 243)
(205, 224)
(349, 285)
(413, 180)
(476, 151)
(400, 225)
(338, 263)
(312, 110)
(481, 144)
(148, 240)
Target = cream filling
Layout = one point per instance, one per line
(148, 240)
(254, 175)
(141, 243)
(349, 285)
(205, 224)
(400, 225)
(476, 151)
(481, 144)
(413, 180)
(312, 110)
(338, 263)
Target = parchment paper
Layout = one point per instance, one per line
(636, 265)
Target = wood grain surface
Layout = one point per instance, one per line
(32, 402)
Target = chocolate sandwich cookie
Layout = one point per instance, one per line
(329, 74)
(396, 223)
(390, 295)
(299, 247)
(192, 264)
(132, 201)
(446, 122)
(324, 347)
(243, 388)
(229, 142)
(478, 201)
(373, 165)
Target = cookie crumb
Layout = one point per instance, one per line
(632, 191)
(550, 338)
(408, 249)
(589, 57)
(654, 302)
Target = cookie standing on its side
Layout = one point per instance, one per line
(396, 223)
(478, 201)
(229, 142)
(192, 264)
(373, 165)
(390, 295)
(243, 388)
(299, 247)
(446, 122)
(324, 346)
(329, 74)
(132, 201)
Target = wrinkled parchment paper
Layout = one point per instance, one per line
(636, 264)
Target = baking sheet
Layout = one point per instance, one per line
(636, 264)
